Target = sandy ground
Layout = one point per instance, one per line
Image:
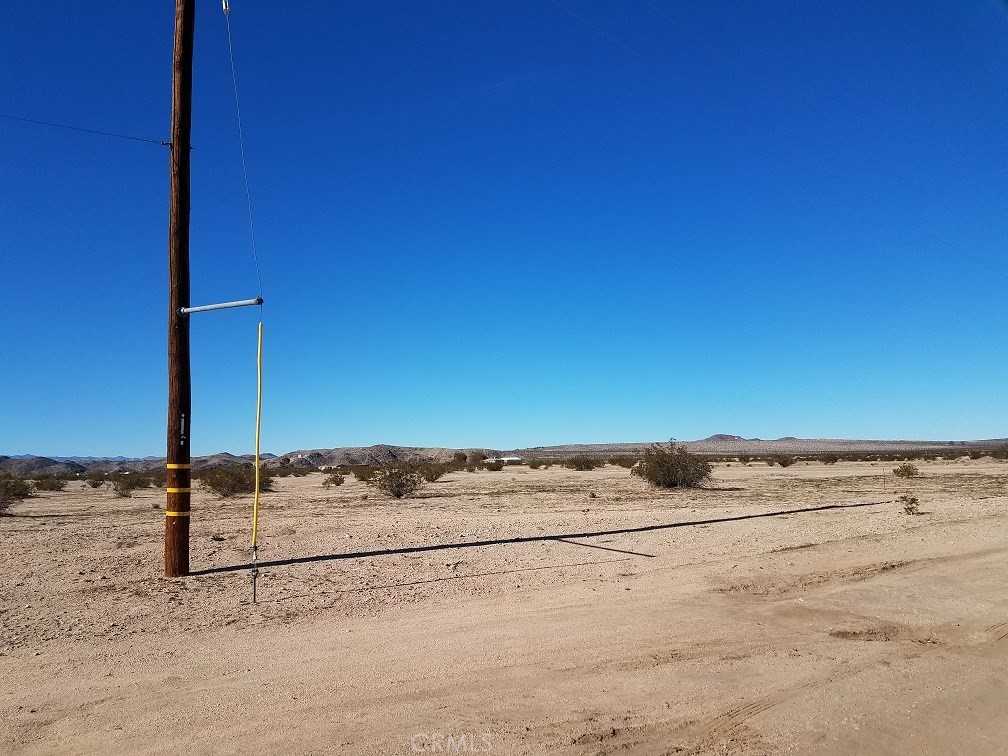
(622, 619)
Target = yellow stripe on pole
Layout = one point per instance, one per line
(178, 466)
(176, 514)
(255, 501)
(178, 490)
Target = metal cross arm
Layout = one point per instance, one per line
(221, 306)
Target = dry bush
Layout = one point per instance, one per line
(671, 466)
(233, 480)
(397, 480)
(124, 485)
(286, 471)
(474, 458)
(626, 462)
(333, 479)
(582, 462)
(744, 459)
(49, 484)
(829, 459)
(906, 470)
(12, 489)
(784, 460)
(911, 504)
(534, 464)
(459, 458)
(432, 471)
(363, 473)
(95, 480)
(494, 466)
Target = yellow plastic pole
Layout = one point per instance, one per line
(255, 502)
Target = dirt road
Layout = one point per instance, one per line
(759, 628)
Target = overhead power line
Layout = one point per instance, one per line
(82, 130)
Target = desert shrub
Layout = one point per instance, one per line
(363, 473)
(494, 466)
(745, 459)
(432, 471)
(470, 468)
(671, 466)
(333, 479)
(627, 462)
(49, 484)
(534, 464)
(911, 504)
(976, 453)
(829, 459)
(124, 485)
(287, 471)
(582, 462)
(906, 470)
(784, 460)
(232, 480)
(13, 489)
(397, 480)
(474, 457)
(459, 458)
(95, 480)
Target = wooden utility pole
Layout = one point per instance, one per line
(176, 552)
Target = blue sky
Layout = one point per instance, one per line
(516, 223)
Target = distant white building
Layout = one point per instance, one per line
(505, 460)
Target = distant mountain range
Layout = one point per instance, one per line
(27, 465)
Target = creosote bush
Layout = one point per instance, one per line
(784, 460)
(475, 458)
(396, 480)
(124, 485)
(911, 504)
(49, 484)
(333, 479)
(95, 480)
(286, 471)
(534, 464)
(459, 458)
(829, 459)
(363, 473)
(233, 480)
(626, 462)
(12, 489)
(671, 466)
(906, 470)
(494, 466)
(582, 462)
(432, 471)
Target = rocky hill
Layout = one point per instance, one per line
(719, 443)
